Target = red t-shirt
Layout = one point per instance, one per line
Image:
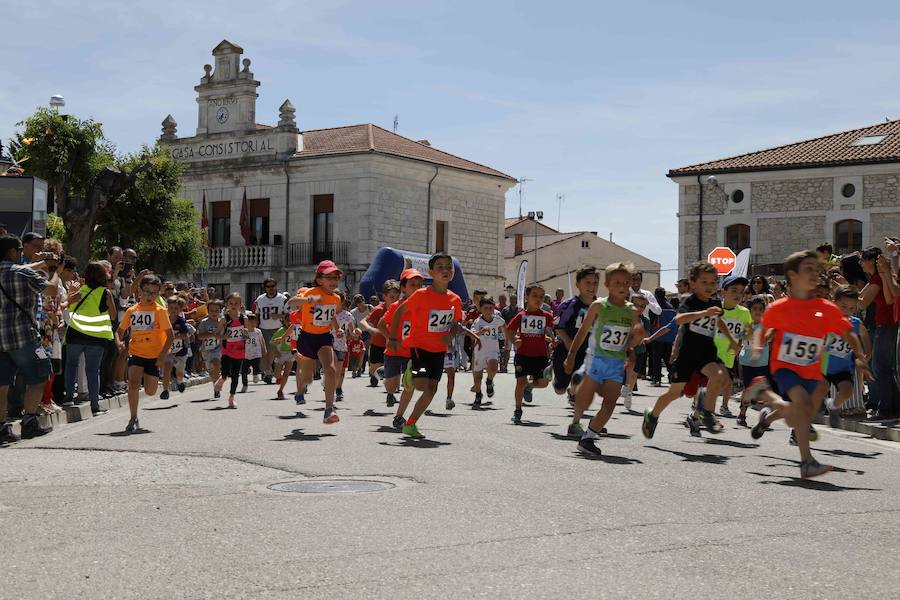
(373, 317)
(431, 315)
(800, 330)
(884, 312)
(404, 329)
(532, 326)
(356, 347)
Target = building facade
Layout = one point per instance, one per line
(554, 256)
(843, 189)
(340, 193)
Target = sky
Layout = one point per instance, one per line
(594, 100)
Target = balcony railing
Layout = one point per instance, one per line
(238, 258)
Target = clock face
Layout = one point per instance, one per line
(222, 114)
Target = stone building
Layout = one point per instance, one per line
(340, 193)
(559, 254)
(843, 189)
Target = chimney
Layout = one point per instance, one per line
(424, 142)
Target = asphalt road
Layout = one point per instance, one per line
(481, 508)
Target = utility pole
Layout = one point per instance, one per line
(560, 198)
(521, 182)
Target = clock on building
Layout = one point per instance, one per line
(222, 114)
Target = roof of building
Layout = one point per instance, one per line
(512, 221)
(878, 143)
(353, 139)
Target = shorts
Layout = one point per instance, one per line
(839, 377)
(750, 373)
(284, 357)
(427, 365)
(147, 364)
(267, 335)
(533, 366)
(211, 355)
(394, 365)
(450, 359)
(604, 368)
(483, 357)
(309, 344)
(376, 354)
(179, 362)
(24, 362)
(786, 380)
(339, 356)
(561, 379)
(689, 363)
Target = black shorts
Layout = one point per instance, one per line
(748, 373)
(839, 377)
(394, 366)
(692, 361)
(533, 366)
(147, 364)
(376, 355)
(426, 364)
(561, 379)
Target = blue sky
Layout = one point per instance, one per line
(595, 100)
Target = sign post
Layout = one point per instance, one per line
(723, 259)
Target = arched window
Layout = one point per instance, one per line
(847, 236)
(737, 237)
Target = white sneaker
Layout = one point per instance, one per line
(255, 378)
(626, 397)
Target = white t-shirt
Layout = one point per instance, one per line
(254, 346)
(270, 310)
(347, 324)
(490, 340)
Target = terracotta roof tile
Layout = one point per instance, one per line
(830, 150)
(372, 138)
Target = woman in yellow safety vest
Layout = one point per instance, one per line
(91, 313)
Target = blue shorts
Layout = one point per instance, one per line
(786, 380)
(603, 368)
(309, 344)
(24, 362)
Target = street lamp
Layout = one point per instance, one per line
(535, 216)
(57, 102)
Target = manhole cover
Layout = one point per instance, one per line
(332, 486)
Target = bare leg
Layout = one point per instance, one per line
(329, 373)
(610, 391)
(667, 398)
(451, 381)
(584, 397)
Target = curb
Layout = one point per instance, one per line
(880, 430)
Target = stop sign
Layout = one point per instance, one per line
(723, 259)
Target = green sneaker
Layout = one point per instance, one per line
(575, 430)
(413, 432)
(648, 428)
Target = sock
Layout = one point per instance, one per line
(590, 434)
(410, 421)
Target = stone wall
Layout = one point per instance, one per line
(885, 224)
(788, 234)
(713, 200)
(689, 242)
(791, 195)
(881, 190)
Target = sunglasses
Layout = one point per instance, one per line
(270, 287)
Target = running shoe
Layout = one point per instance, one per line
(391, 400)
(338, 395)
(693, 425)
(648, 427)
(812, 468)
(548, 373)
(317, 375)
(217, 394)
(380, 372)
(164, 395)
(813, 434)
(181, 387)
(476, 405)
(834, 418)
(490, 388)
(267, 379)
(330, 417)
(256, 378)
(709, 420)
(760, 428)
(756, 387)
(413, 432)
(299, 398)
(742, 421)
(479, 397)
(725, 412)
(626, 397)
(793, 439)
(588, 447)
(280, 395)
(98, 412)
(231, 403)
(133, 425)
(6, 434)
(399, 422)
(575, 430)
(244, 389)
(571, 398)
(517, 416)
(450, 404)
(527, 396)
(31, 427)
(373, 381)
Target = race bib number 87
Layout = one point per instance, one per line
(799, 349)
(534, 325)
(439, 321)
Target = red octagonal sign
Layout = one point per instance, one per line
(723, 259)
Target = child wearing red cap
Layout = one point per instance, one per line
(318, 307)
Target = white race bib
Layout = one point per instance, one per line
(143, 320)
(210, 343)
(404, 330)
(234, 333)
(580, 318)
(534, 324)
(705, 325)
(439, 321)
(295, 331)
(177, 346)
(799, 349)
(323, 314)
(613, 338)
(837, 347)
(734, 326)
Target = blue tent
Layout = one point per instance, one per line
(389, 263)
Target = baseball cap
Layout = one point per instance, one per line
(734, 280)
(409, 274)
(31, 236)
(327, 267)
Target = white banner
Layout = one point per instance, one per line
(742, 263)
(520, 282)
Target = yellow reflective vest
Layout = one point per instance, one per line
(87, 318)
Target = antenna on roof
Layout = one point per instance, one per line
(521, 183)
(396, 122)
(560, 198)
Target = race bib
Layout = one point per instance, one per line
(177, 345)
(234, 333)
(837, 347)
(295, 332)
(439, 321)
(268, 312)
(210, 343)
(613, 338)
(323, 314)
(799, 349)
(143, 320)
(404, 330)
(534, 325)
(580, 318)
(705, 326)
(735, 327)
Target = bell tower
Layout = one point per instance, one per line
(226, 96)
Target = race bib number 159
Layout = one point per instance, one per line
(799, 349)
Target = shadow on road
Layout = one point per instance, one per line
(849, 453)
(528, 424)
(712, 459)
(373, 413)
(219, 408)
(610, 459)
(124, 433)
(412, 443)
(201, 400)
(721, 442)
(161, 407)
(296, 415)
(810, 484)
(297, 435)
(385, 429)
(442, 415)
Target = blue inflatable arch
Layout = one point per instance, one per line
(388, 263)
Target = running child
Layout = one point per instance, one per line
(209, 332)
(254, 351)
(737, 318)
(346, 330)
(234, 344)
(178, 354)
(356, 349)
(284, 357)
(801, 323)
(432, 311)
(753, 366)
(151, 338)
(489, 327)
(640, 303)
(698, 318)
(318, 308)
(612, 326)
(451, 364)
(390, 291)
(838, 362)
(571, 316)
(532, 330)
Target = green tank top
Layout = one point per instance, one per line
(609, 336)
